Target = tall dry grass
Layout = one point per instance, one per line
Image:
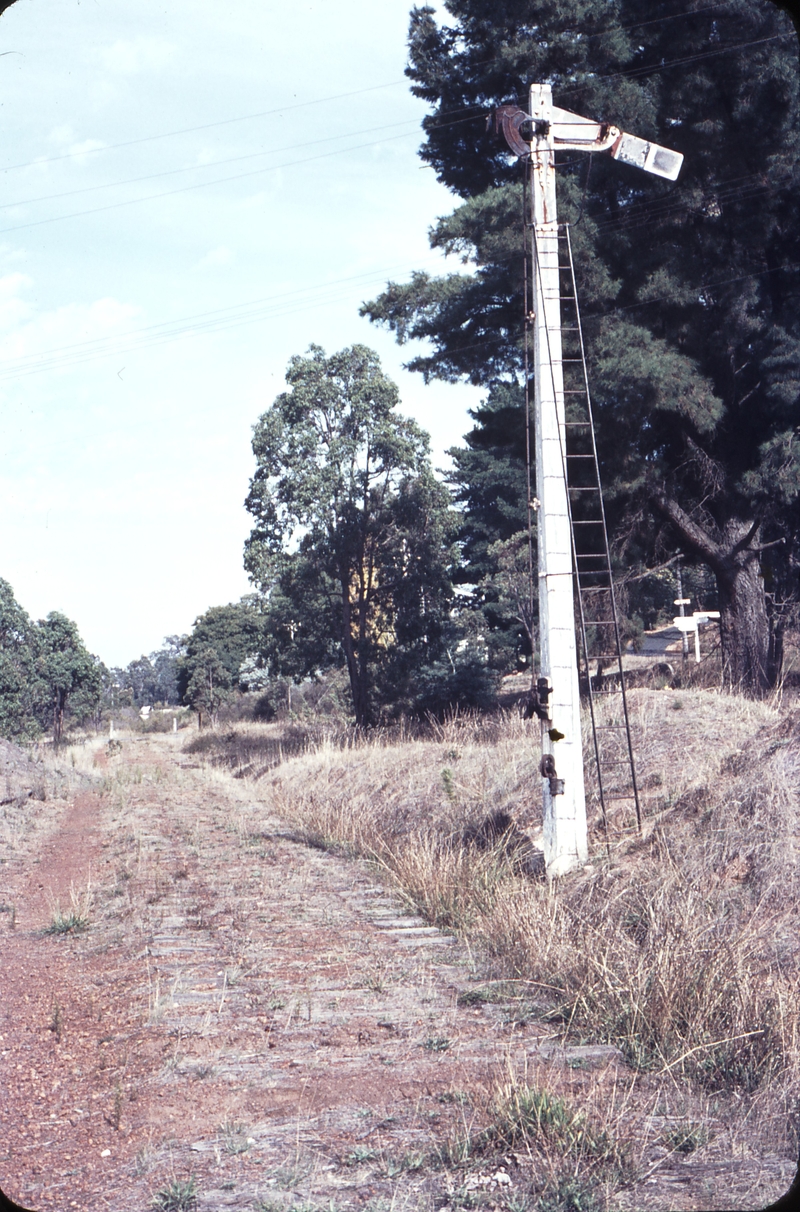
(681, 947)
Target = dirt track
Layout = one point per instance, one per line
(243, 1014)
(241, 1009)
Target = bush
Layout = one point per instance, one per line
(463, 682)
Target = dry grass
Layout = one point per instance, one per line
(680, 946)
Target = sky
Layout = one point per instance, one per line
(193, 193)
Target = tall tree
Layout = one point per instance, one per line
(208, 682)
(233, 632)
(17, 668)
(689, 290)
(352, 532)
(68, 675)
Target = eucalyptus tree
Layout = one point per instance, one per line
(352, 538)
(17, 668)
(68, 678)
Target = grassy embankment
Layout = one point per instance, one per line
(680, 947)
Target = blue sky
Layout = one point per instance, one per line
(189, 199)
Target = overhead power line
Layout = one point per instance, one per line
(286, 302)
(203, 184)
(391, 138)
(193, 168)
(220, 180)
(267, 113)
(190, 130)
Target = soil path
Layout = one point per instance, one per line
(237, 1021)
(242, 1016)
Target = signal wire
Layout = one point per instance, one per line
(189, 130)
(74, 353)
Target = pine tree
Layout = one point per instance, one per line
(689, 290)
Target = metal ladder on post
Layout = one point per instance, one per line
(597, 620)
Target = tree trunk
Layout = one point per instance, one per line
(358, 682)
(744, 624)
(58, 719)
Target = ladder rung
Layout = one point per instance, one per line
(577, 456)
(591, 488)
(598, 622)
(594, 522)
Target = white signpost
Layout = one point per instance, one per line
(554, 129)
(688, 624)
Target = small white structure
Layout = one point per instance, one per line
(690, 624)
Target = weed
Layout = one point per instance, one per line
(115, 1117)
(177, 1196)
(359, 1155)
(570, 1195)
(74, 920)
(69, 922)
(436, 1043)
(143, 1161)
(687, 1137)
(524, 1114)
(289, 1176)
(448, 782)
(410, 1163)
(491, 994)
(56, 1021)
(235, 1138)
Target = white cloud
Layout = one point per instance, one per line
(24, 334)
(64, 138)
(13, 309)
(128, 57)
(80, 150)
(217, 256)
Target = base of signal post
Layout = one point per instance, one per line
(564, 832)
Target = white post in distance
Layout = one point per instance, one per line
(565, 835)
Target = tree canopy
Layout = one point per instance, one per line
(352, 535)
(69, 677)
(689, 289)
(46, 673)
(17, 668)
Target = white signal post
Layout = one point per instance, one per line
(565, 835)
